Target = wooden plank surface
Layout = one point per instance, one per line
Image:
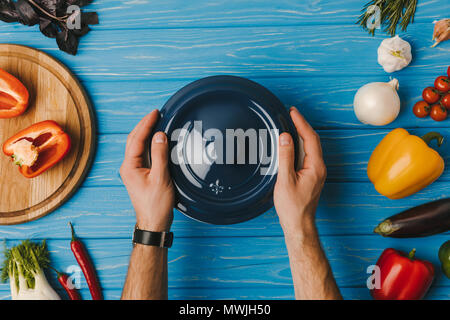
(346, 154)
(272, 293)
(162, 14)
(221, 262)
(312, 55)
(326, 103)
(258, 52)
(344, 209)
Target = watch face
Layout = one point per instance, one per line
(223, 141)
(169, 240)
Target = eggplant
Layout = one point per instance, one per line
(421, 221)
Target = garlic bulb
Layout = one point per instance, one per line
(394, 54)
(377, 103)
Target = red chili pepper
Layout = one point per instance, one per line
(86, 266)
(402, 276)
(13, 96)
(65, 283)
(37, 148)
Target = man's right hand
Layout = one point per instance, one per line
(296, 197)
(297, 193)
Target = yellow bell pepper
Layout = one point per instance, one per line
(403, 164)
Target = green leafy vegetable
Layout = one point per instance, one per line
(23, 265)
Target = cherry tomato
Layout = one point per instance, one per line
(438, 112)
(421, 109)
(442, 83)
(430, 95)
(445, 101)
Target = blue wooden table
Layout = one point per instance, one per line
(309, 53)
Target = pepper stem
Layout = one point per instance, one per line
(412, 253)
(433, 135)
(57, 272)
(73, 231)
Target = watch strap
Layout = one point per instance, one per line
(151, 238)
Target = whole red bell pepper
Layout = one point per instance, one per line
(38, 147)
(13, 96)
(402, 276)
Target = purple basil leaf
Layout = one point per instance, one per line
(61, 8)
(44, 22)
(8, 11)
(27, 15)
(67, 41)
(89, 18)
(81, 32)
(52, 17)
(52, 6)
(80, 3)
(48, 28)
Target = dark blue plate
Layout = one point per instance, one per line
(222, 147)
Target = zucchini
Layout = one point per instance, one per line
(421, 221)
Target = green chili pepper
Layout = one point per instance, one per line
(444, 256)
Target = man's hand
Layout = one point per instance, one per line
(151, 190)
(296, 197)
(152, 194)
(296, 194)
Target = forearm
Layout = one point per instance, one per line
(147, 274)
(311, 272)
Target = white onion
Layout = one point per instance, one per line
(377, 103)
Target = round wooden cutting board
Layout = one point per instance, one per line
(55, 94)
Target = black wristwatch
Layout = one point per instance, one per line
(151, 238)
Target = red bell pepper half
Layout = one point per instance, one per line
(13, 96)
(402, 276)
(38, 147)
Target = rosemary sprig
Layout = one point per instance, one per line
(409, 14)
(391, 13)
